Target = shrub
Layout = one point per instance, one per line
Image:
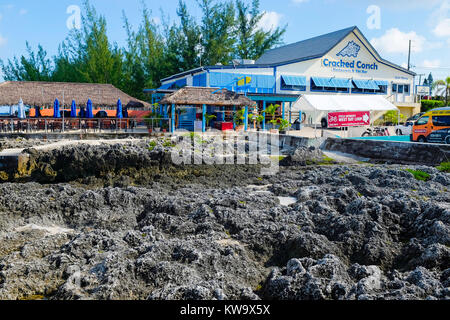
(392, 117)
(431, 104)
(419, 175)
(444, 167)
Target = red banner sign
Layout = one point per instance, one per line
(348, 119)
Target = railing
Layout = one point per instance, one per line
(60, 125)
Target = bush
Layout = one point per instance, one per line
(419, 175)
(444, 167)
(391, 117)
(431, 104)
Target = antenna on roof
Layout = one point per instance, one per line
(409, 56)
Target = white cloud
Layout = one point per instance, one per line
(156, 20)
(396, 41)
(270, 20)
(2, 40)
(431, 63)
(440, 13)
(443, 28)
(23, 12)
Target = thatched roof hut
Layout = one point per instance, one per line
(201, 96)
(36, 93)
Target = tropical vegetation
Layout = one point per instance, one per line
(226, 30)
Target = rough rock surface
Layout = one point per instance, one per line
(151, 230)
(21, 143)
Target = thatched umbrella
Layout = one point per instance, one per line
(207, 96)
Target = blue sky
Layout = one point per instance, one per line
(388, 24)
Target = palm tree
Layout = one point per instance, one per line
(447, 82)
(443, 83)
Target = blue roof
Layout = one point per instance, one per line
(315, 47)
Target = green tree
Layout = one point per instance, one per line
(189, 38)
(252, 42)
(36, 67)
(217, 29)
(144, 63)
(87, 55)
(430, 79)
(446, 84)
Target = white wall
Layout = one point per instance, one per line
(315, 68)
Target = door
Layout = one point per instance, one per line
(400, 93)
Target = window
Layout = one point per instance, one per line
(383, 89)
(369, 91)
(441, 121)
(422, 121)
(400, 88)
(406, 89)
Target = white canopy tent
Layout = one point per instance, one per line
(320, 103)
(336, 103)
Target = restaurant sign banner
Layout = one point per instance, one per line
(348, 119)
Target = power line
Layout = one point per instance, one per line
(422, 67)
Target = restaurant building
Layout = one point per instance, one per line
(342, 62)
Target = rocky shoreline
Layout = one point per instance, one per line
(123, 222)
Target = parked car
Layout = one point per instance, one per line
(433, 127)
(415, 117)
(406, 129)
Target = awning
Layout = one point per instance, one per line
(382, 83)
(166, 86)
(333, 82)
(294, 80)
(366, 84)
(321, 102)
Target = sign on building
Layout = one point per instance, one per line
(244, 81)
(348, 119)
(423, 90)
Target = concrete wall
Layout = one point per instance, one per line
(399, 152)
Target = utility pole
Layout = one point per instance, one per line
(409, 56)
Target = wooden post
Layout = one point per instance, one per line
(234, 121)
(246, 119)
(172, 127)
(204, 118)
(264, 113)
